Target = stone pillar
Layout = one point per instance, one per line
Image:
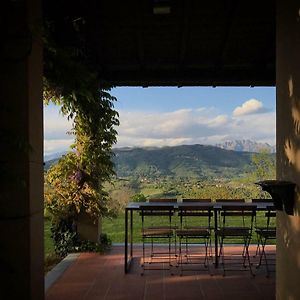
(288, 144)
(21, 152)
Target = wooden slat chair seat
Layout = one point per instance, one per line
(268, 233)
(157, 232)
(235, 232)
(193, 232)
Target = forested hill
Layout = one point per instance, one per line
(197, 161)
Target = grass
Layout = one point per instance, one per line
(48, 243)
(149, 190)
(51, 259)
(114, 228)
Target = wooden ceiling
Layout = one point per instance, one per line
(176, 43)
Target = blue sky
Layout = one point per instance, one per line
(170, 99)
(172, 116)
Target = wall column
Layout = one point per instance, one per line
(288, 144)
(21, 152)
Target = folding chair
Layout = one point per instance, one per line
(236, 224)
(196, 234)
(199, 200)
(258, 217)
(174, 225)
(227, 200)
(153, 234)
(265, 234)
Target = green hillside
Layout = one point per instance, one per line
(49, 163)
(193, 161)
(186, 161)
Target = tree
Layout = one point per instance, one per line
(134, 184)
(263, 164)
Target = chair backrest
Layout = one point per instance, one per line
(270, 215)
(195, 215)
(230, 200)
(195, 200)
(159, 214)
(163, 200)
(237, 216)
(265, 217)
(156, 209)
(262, 200)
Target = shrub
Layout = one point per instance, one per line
(66, 239)
(64, 236)
(139, 197)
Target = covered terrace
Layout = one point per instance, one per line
(140, 43)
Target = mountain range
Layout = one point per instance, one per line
(192, 161)
(246, 145)
(185, 161)
(52, 156)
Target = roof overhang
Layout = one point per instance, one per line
(176, 43)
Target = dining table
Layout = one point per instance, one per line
(216, 207)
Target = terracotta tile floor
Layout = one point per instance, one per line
(94, 276)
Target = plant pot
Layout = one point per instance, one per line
(88, 229)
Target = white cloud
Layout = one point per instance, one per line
(185, 126)
(192, 126)
(259, 128)
(220, 120)
(56, 128)
(52, 146)
(251, 106)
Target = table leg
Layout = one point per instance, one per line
(128, 239)
(216, 238)
(126, 242)
(131, 235)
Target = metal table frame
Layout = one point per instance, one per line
(135, 206)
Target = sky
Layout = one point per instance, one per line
(169, 116)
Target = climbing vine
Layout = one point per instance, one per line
(75, 183)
